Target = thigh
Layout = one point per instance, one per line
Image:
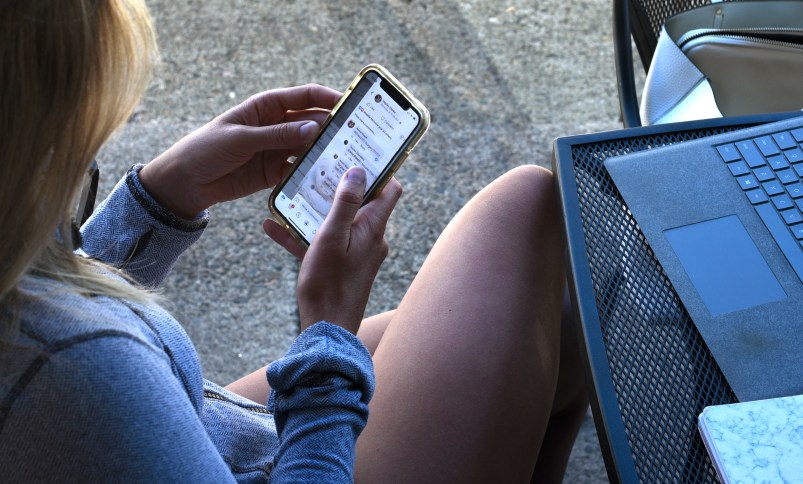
(373, 328)
(467, 366)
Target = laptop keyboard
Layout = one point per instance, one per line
(769, 169)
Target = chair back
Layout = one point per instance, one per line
(640, 20)
(648, 16)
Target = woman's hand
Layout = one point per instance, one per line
(240, 152)
(339, 268)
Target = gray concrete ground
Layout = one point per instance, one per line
(501, 79)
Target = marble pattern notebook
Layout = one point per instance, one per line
(756, 442)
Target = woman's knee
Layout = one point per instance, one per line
(527, 189)
(525, 198)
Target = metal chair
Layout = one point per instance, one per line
(640, 20)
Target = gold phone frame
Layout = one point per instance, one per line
(388, 172)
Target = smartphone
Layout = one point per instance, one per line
(375, 125)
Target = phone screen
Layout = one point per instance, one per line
(369, 130)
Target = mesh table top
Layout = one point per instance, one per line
(651, 371)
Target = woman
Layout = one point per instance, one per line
(469, 380)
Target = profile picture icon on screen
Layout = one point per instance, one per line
(378, 98)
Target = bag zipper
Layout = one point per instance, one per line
(743, 34)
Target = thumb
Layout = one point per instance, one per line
(348, 199)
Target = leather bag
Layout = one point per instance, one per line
(727, 59)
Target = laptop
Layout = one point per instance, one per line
(724, 217)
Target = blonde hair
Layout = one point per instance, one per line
(71, 72)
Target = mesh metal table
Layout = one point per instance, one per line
(648, 370)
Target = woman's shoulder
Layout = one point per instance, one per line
(49, 324)
(49, 314)
(94, 404)
(49, 318)
(51, 347)
(74, 338)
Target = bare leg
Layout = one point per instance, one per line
(467, 369)
(372, 329)
(568, 409)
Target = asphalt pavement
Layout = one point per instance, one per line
(501, 79)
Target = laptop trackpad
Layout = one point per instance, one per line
(724, 265)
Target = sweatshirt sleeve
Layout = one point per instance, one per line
(320, 394)
(131, 231)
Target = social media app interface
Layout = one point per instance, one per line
(367, 131)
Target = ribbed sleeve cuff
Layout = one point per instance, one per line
(323, 350)
(130, 230)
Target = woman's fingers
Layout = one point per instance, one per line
(382, 206)
(335, 279)
(282, 136)
(279, 235)
(336, 228)
(317, 115)
(300, 97)
(269, 107)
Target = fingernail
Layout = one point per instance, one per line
(356, 174)
(308, 130)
